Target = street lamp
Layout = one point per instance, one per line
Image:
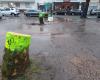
(52, 5)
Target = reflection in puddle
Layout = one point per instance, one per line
(98, 20)
(81, 27)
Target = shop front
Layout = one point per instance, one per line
(62, 5)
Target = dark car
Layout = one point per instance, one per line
(34, 13)
(75, 12)
(0, 15)
(60, 12)
(98, 14)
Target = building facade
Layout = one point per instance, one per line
(20, 4)
(94, 4)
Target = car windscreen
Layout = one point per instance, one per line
(2, 9)
(32, 11)
(7, 9)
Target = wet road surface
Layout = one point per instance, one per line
(69, 45)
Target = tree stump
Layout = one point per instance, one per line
(16, 56)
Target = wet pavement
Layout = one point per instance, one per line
(69, 46)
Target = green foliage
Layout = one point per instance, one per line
(18, 42)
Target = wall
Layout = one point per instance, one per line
(22, 5)
(94, 4)
(4, 5)
(34, 5)
(94, 0)
(31, 5)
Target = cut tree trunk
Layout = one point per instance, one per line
(16, 55)
(85, 9)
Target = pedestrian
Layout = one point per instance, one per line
(91, 11)
(41, 16)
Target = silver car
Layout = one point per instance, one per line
(94, 11)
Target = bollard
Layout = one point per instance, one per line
(16, 56)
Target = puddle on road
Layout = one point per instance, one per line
(85, 66)
(81, 26)
(98, 20)
(37, 28)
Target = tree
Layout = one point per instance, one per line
(85, 9)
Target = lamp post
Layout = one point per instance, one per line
(52, 6)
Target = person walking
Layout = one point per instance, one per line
(41, 16)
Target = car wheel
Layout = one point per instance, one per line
(72, 13)
(3, 15)
(27, 15)
(0, 17)
(12, 14)
(16, 15)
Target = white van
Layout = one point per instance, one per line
(10, 11)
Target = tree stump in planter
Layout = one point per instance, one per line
(16, 57)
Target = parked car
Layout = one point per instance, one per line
(60, 12)
(34, 13)
(75, 12)
(10, 11)
(31, 13)
(98, 14)
(94, 11)
(0, 15)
